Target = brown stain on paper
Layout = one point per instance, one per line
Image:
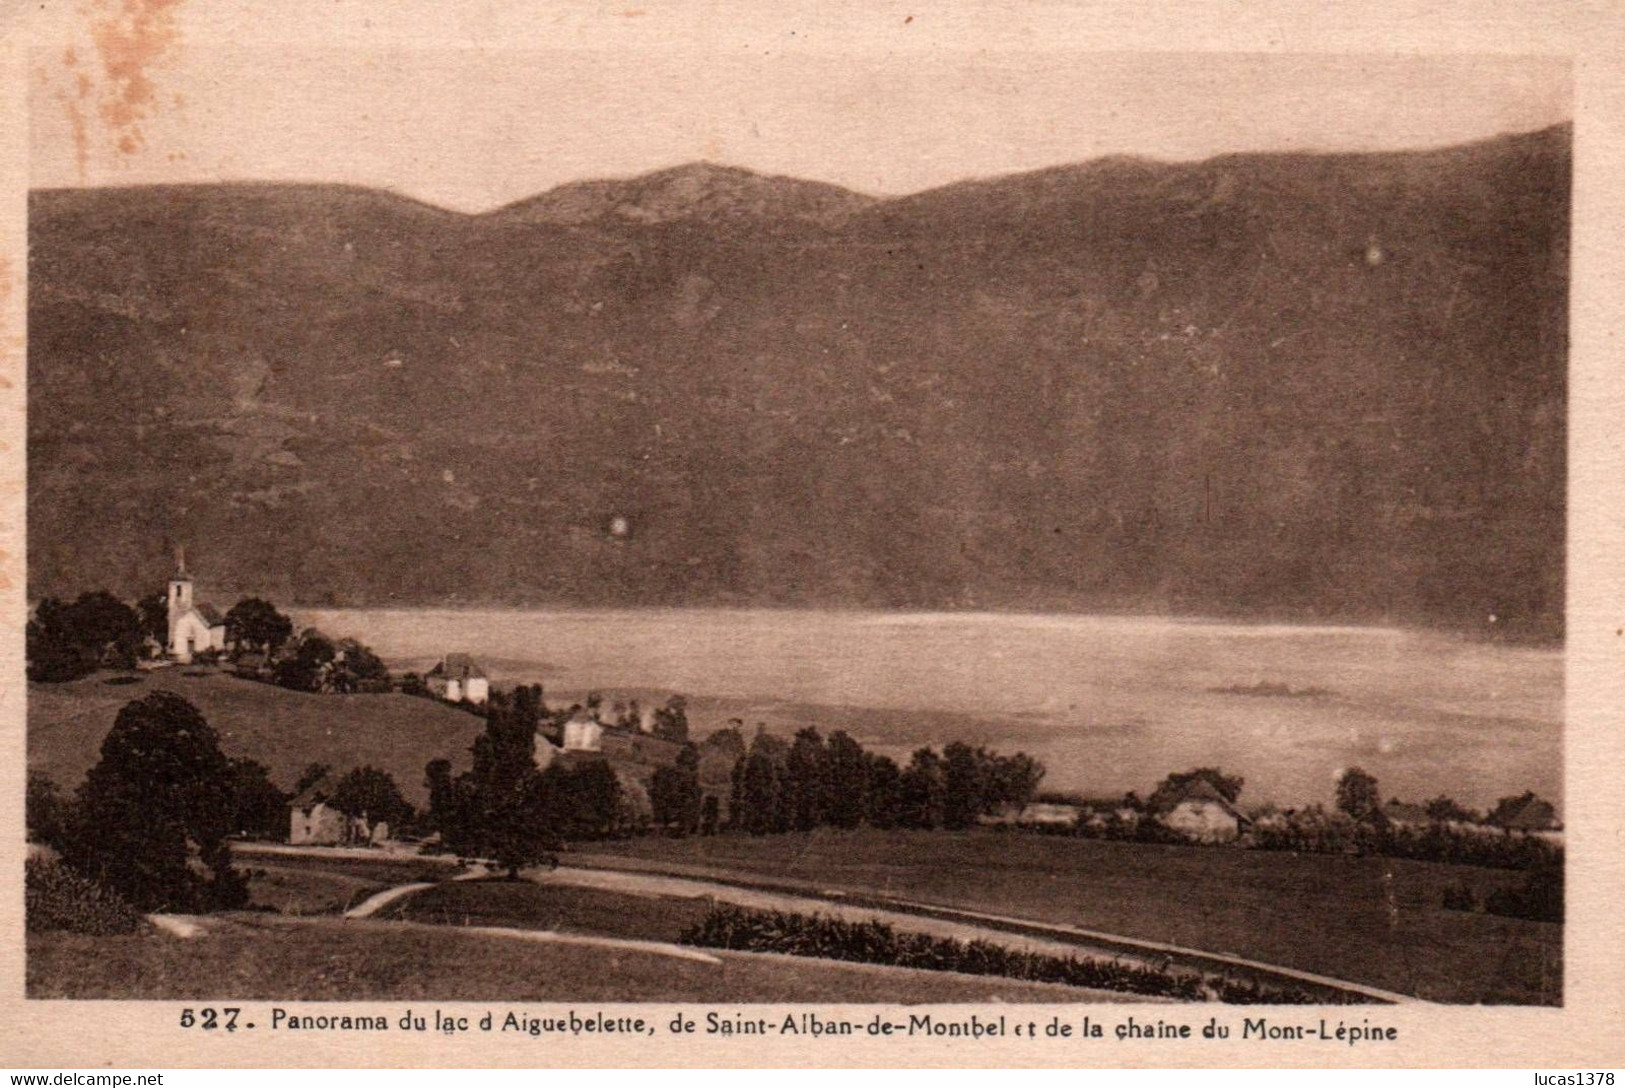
(131, 37)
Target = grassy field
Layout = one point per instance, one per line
(523, 905)
(264, 957)
(1330, 915)
(285, 730)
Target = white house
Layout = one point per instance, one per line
(193, 627)
(1202, 814)
(457, 679)
(583, 733)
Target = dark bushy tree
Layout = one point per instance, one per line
(47, 814)
(66, 641)
(357, 669)
(584, 800)
(760, 804)
(307, 667)
(806, 794)
(152, 612)
(161, 784)
(845, 775)
(923, 791)
(671, 720)
(884, 803)
(1358, 797)
(963, 785)
(253, 624)
(372, 795)
(674, 793)
(258, 807)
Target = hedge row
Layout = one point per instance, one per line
(823, 937)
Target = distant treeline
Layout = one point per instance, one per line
(811, 782)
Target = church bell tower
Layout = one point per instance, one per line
(180, 595)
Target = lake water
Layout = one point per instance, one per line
(1108, 703)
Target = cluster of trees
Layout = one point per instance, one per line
(506, 809)
(315, 663)
(811, 782)
(1358, 825)
(66, 641)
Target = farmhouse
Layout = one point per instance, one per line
(313, 822)
(457, 679)
(1048, 814)
(193, 627)
(1532, 816)
(1202, 814)
(583, 733)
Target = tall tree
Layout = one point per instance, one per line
(370, 794)
(257, 806)
(963, 783)
(923, 791)
(845, 776)
(805, 794)
(884, 807)
(1357, 795)
(255, 625)
(761, 791)
(160, 785)
(674, 792)
(671, 720)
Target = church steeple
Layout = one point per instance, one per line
(180, 592)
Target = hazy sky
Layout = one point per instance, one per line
(151, 98)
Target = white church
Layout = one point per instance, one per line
(193, 627)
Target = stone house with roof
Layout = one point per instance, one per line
(1399, 814)
(458, 679)
(1202, 814)
(314, 822)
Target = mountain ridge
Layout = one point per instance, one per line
(1280, 384)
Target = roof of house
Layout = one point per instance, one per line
(1533, 815)
(1200, 789)
(211, 615)
(1402, 813)
(314, 794)
(458, 667)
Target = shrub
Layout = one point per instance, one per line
(60, 899)
(823, 937)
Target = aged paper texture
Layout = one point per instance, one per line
(736, 534)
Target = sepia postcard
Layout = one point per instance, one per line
(732, 535)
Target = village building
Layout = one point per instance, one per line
(1048, 814)
(458, 679)
(1534, 816)
(583, 733)
(314, 822)
(1399, 814)
(1202, 814)
(194, 627)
